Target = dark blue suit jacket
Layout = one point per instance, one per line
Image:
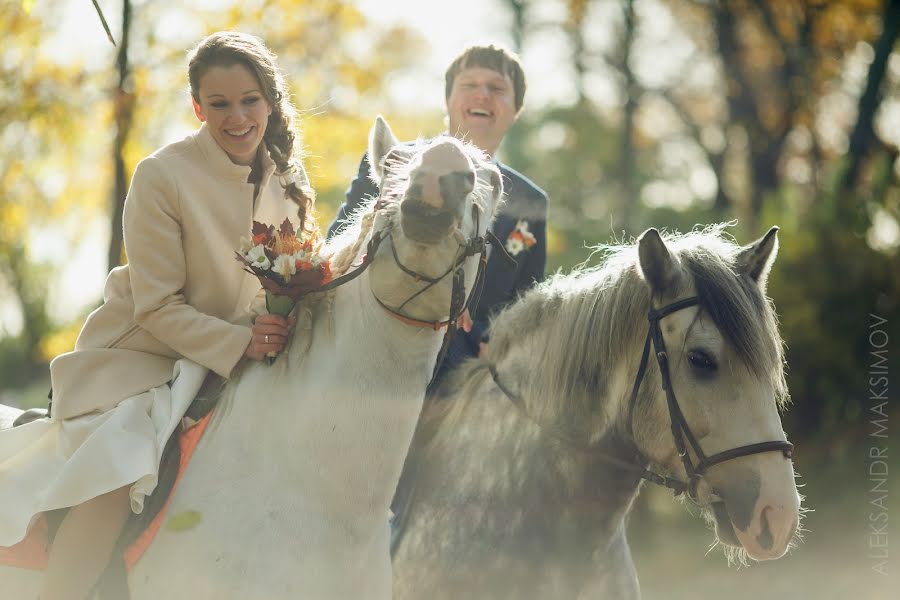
(523, 201)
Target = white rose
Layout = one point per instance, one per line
(514, 246)
(522, 225)
(285, 266)
(257, 257)
(245, 246)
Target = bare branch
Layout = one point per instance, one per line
(103, 21)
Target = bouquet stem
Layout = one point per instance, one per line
(278, 305)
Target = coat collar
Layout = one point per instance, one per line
(222, 165)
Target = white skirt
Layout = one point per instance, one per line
(49, 464)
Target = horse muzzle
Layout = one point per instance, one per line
(426, 224)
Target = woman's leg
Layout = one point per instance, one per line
(84, 544)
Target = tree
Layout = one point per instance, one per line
(47, 194)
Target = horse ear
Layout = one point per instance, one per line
(381, 140)
(659, 267)
(756, 260)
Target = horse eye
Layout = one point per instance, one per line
(701, 360)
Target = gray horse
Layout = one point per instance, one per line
(521, 480)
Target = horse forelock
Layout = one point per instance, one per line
(739, 310)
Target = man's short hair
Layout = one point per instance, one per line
(489, 57)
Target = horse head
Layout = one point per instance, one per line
(725, 384)
(436, 203)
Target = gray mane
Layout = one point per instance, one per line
(588, 321)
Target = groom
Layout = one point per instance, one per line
(484, 91)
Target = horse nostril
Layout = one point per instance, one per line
(765, 538)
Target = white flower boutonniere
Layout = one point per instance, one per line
(520, 239)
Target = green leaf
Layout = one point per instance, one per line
(184, 521)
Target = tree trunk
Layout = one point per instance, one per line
(123, 100)
(518, 27)
(627, 158)
(863, 137)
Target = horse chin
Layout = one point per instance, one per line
(724, 528)
(424, 224)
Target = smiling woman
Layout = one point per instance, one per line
(180, 296)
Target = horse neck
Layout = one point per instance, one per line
(593, 405)
(524, 467)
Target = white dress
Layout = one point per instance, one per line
(51, 463)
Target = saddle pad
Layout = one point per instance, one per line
(33, 551)
(188, 441)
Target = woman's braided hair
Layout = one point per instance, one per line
(227, 48)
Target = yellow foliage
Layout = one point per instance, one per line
(13, 219)
(62, 340)
(557, 242)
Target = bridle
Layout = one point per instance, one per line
(681, 431)
(459, 303)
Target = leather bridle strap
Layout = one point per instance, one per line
(458, 300)
(681, 431)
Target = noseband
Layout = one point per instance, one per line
(681, 431)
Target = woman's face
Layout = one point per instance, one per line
(235, 110)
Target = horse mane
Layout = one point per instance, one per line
(585, 322)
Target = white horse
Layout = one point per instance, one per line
(293, 480)
(522, 479)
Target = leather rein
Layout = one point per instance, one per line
(681, 431)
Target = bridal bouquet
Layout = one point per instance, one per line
(287, 265)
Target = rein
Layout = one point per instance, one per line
(681, 431)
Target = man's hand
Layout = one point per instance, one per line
(465, 321)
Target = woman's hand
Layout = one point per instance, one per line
(268, 334)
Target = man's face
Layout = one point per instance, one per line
(481, 107)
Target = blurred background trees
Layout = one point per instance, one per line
(666, 113)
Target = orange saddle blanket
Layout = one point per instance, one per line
(33, 551)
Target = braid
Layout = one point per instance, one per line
(280, 138)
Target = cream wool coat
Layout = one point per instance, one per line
(181, 294)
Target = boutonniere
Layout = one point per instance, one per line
(520, 238)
